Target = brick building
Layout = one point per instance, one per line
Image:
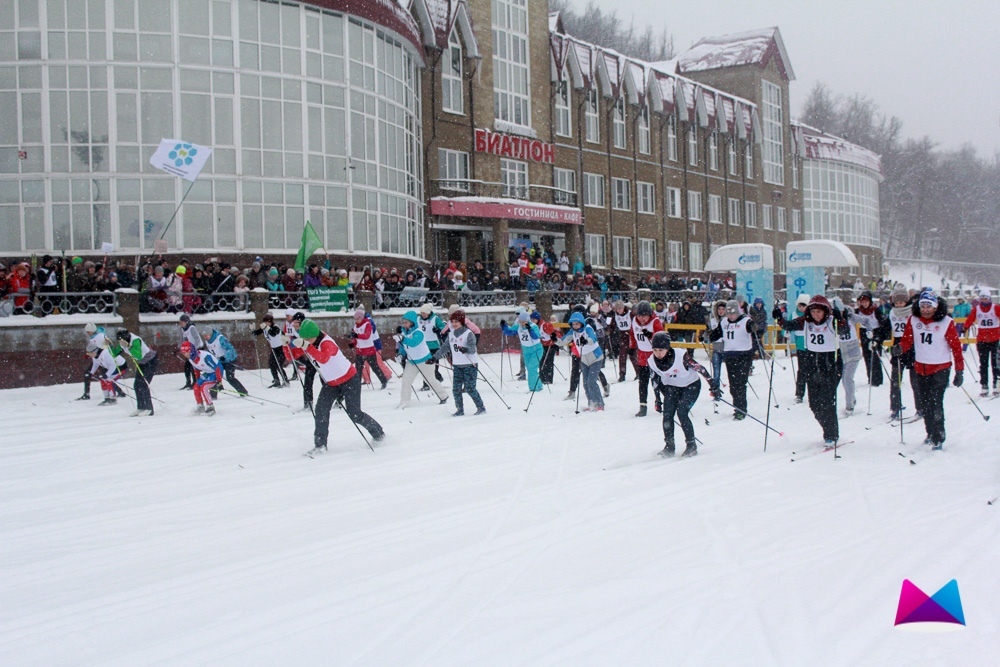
(633, 166)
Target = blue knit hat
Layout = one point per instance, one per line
(928, 297)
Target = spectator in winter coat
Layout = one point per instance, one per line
(19, 286)
(274, 283)
(759, 316)
(312, 279)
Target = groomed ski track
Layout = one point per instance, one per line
(505, 539)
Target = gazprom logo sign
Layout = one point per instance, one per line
(800, 257)
(746, 259)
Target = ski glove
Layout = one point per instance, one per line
(285, 340)
(463, 350)
(398, 359)
(896, 350)
(959, 376)
(503, 323)
(869, 334)
(776, 313)
(399, 330)
(715, 393)
(300, 343)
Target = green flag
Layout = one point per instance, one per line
(310, 244)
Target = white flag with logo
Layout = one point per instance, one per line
(180, 158)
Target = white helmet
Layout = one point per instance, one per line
(289, 312)
(90, 328)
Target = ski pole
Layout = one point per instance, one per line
(972, 372)
(344, 408)
(256, 354)
(578, 384)
(744, 412)
(985, 417)
(767, 422)
(248, 396)
(491, 386)
(540, 365)
(871, 372)
(503, 348)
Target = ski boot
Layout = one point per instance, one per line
(85, 397)
(458, 413)
(667, 451)
(379, 437)
(739, 416)
(658, 406)
(642, 410)
(315, 451)
(209, 411)
(798, 399)
(984, 392)
(200, 410)
(690, 450)
(895, 415)
(481, 411)
(607, 391)
(937, 446)
(108, 401)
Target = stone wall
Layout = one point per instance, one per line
(47, 351)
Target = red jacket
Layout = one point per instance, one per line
(15, 284)
(984, 335)
(654, 325)
(326, 354)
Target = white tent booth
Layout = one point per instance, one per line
(807, 263)
(754, 267)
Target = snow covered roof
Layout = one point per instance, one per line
(437, 18)
(754, 47)
(555, 22)
(819, 145)
(640, 82)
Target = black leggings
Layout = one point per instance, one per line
(350, 394)
(679, 400)
(738, 370)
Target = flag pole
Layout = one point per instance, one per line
(171, 221)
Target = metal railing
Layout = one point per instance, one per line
(384, 300)
(485, 299)
(218, 302)
(569, 298)
(72, 303)
(296, 300)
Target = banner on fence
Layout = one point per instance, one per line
(328, 299)
(757, 283)
(804, 280)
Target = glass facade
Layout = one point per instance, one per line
(311, 115)
(840, 203)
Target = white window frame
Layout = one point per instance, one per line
(748, 160)
(676, 255)
(750, 213)
(621, 194)
(864, 265)
(767, 216)
(672, 138)
(596, 253)
(695, 258)
(511, 62)
(593, 190)
(796, 221)
(674, 203)
(734, 211)
(782, 261)
(795, 173)
(647, 254)
(692, 142)
(564, 109)
(733, 157)
(453, 170)
(642, 129)
(782, 219)
(564, 187)
(715, 209)
(713, 151)
(623, 252)
(618, 124)
(592, 116)
(773, 145)
(645, 197)
(452, 82)
(514, 178)
(694, 205)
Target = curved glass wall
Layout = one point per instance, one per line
(312, 115)
(840, 202)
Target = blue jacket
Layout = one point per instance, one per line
(220, 346)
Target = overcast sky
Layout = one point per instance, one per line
(933, 63)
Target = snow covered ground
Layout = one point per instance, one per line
(545, 538)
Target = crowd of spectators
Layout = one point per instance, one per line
(168, 285)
